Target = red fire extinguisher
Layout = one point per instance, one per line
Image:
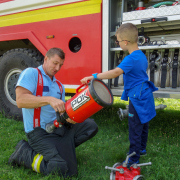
(119, 171)
(92, 98)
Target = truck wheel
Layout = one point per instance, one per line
(11, 65)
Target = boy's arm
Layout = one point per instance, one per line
(105, 75)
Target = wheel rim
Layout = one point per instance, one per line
(10, 84)
(113, 174)
(138, 177)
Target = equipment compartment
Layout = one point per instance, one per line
(172, 12)
(159, 38)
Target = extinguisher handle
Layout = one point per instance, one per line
(77, 90)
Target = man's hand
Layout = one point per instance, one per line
(70, 121)
(57, 104)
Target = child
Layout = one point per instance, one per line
(136, 87)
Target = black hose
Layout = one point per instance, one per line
(61, 118)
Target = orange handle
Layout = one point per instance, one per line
(77, 90)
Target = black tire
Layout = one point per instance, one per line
(11, 65)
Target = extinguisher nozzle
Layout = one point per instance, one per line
(50, 128)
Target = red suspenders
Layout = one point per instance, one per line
(39, 92)
(60, 87)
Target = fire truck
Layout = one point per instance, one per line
(85, 30)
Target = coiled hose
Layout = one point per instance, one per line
(163, 3)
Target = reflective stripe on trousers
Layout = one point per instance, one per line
(37, 162)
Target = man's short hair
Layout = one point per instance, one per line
(128, 32)
(51, 52)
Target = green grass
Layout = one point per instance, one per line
(109, 146)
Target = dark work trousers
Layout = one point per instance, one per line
(138, 133)
(58, 148)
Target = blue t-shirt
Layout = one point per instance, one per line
(28, 79)
(134, 67)
(136, 85)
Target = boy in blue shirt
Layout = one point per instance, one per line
(136, 87)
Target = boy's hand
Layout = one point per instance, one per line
(86, 79)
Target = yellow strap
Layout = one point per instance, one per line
(37, 162)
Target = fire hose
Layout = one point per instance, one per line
(60, 120)
(162, 4)
(123, 113)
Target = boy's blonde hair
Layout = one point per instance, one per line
(128, 32)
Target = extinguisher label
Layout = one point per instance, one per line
(80, 100)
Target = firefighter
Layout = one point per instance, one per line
(41, 95)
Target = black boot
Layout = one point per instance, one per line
(15, 158)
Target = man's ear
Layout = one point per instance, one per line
(45, 58)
